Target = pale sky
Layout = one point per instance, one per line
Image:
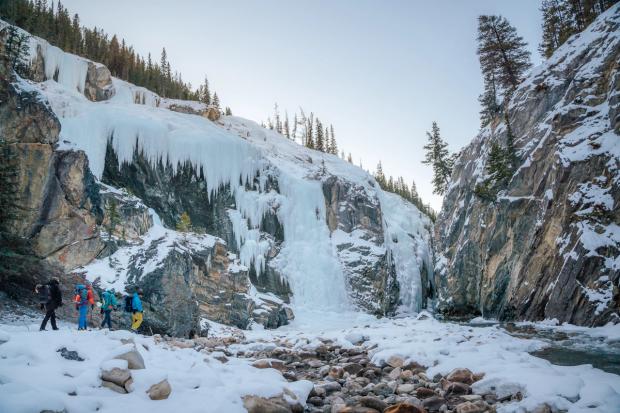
(380, 71)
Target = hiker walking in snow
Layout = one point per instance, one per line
(108, 304)
(82, 301)
(136, 308)
(50, 298)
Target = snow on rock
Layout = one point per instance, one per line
(113, 271)
(539, 250)
(34, 377)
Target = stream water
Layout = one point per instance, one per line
(571, 348)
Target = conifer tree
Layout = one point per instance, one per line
(113, 217)
(333, 143)
(438, 156)
(557, 25)
(414, 193)
(216, 101)
(390, 184)
(163, 64)
(502, 52)
(16, 49)
(227, 111)
(276, 117)
(295, 122)
(320, 139)
(349, 158)
(309, 138)
(287, 129)
(380, 176)
(205, 95)
(497, 168)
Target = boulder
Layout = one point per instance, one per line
(69, 354)
(457, 389)
(424, 392)
(434, 403)
(472, 407)
(404, 408)
(212, 113)
(113, 387)
(116, 375)
(461, 376)
(255, 404)
(395, 374)
(357, 409)
(395, 361)
(269, 364)
(374, 403)
(98, 85)
(352, 368)
(160, 391)
(382, 389)
(336, 372)
(405, 388)
(134, 359)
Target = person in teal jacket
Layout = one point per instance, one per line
(107, 306)
(136, 307)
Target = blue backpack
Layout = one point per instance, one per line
(81, 290)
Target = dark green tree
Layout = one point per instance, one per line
(205, 93)
(16, 49)
(557, 25)
(113, 217)
(320, 138)
(502, 52)
(380, 176)
(497, 167)
(438, 156)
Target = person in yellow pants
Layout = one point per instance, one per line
(136, 306)
(136, 320)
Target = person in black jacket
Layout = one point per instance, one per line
(54, 300)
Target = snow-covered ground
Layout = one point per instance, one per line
(33, 375)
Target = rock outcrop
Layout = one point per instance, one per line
(56, 205)
(356, 222)
(548, 245)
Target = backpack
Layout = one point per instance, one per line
(129, 304)
(81, 294)
(43, 294)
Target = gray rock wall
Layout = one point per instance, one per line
(548, 246)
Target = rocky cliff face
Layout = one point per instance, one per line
(56, 206)
(549, 245)
(107, 169)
